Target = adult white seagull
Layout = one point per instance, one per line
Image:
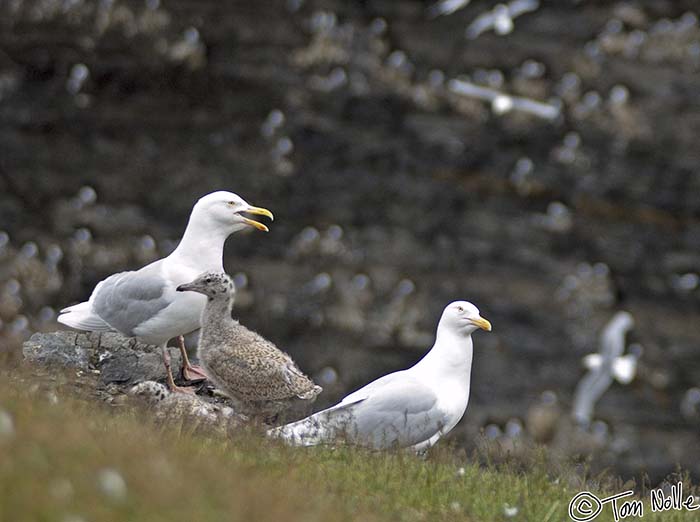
(145, 304)
(411, 408)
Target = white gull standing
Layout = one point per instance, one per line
(145, 304)
(411, 408)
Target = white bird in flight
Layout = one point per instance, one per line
(446, 7)
(411, 408)
(145, 304)
(603, 367)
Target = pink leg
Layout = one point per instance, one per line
(169, 378)
(189, 371)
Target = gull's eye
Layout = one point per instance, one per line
(208, 280)
(460, 309)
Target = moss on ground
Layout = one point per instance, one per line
(71, 460)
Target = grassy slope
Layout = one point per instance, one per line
(49, 471)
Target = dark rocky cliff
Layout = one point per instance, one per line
(393, 193)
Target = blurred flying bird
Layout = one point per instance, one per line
(446, 7)
(608, 364)
(500, 19)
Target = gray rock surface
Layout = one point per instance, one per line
(60, 348)
(117, 359)
(123, 372)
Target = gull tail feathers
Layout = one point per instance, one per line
(81, 317)
(324, 427)
(311, 394)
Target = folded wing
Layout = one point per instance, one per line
(121, 302)
(396, 410)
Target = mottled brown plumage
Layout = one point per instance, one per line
(243, 364)
(187, 410)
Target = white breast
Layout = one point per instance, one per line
(182, 315)
(453, 398)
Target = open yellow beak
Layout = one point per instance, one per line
(482, 323)
(259, 211)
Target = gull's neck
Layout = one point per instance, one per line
(451, 355)
(202, 244)
(217, 311)
(215, 322)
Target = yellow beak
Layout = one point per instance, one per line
(482, 323)
(259, 211)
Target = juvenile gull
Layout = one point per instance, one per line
(186, 409)
(248, 368)
(173, 405)
(411, 408)
(144, 303)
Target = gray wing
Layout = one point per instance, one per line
(612, 338)
(402, 413)
(128, 299)
(377, 384)
(398, 412)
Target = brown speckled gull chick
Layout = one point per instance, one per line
(248, 368)
(191, 412)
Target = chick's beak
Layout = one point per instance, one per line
(259, 211)
(184, 287)
(482, 323)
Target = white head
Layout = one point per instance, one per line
(463, 317)
(225, 209)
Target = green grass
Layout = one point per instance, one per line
(50, 468)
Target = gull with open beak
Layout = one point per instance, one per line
(145, 304)
(410, 408)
